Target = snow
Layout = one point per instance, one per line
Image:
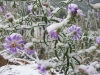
(27, 45)
(97, 5)
(3, 26)
(24, 69)
(67, 1)
(56, 10)
(29, 69)
(58, 25)
(19, 70)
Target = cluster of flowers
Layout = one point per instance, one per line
(73, 10)
(74, 29)
(14, 43)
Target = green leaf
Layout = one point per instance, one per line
(80, 0)
(56, 54)
(32, 32)
(45, 19)
(59, 39)
(76, 60)
(1, 3)
(70, 47)
(44, 36)
(54, 20)
(72, 66)
(56, 41)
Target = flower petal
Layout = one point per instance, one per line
(76, 37)
(21, 42)
(13, 50)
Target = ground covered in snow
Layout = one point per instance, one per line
(22, 69)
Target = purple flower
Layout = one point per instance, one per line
(98, 40)
(73, 8)
(90, 0)
(29, 48)
(30, 7)
(76, 32)
(2, 8)
(54, 34)
(13, 42)
(41, 68)
(9, 17)
(98, 14)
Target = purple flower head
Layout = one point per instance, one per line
(73, 8)
(13, 42)
(76, 32)
(54, 34)
(29, 48)
(90, 0)
(9, 16)
(30, 7)
(98, 14)
(2, 8)
(98, 40)
(42, 68)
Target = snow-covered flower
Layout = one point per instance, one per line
(42, 67)
(95, 64)
(9, 17)
(29, 48)
(13, 42)
(30, 7)
(98, 40)
(54, 34)
(76, 32)
(90, 70)
(73, 8)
